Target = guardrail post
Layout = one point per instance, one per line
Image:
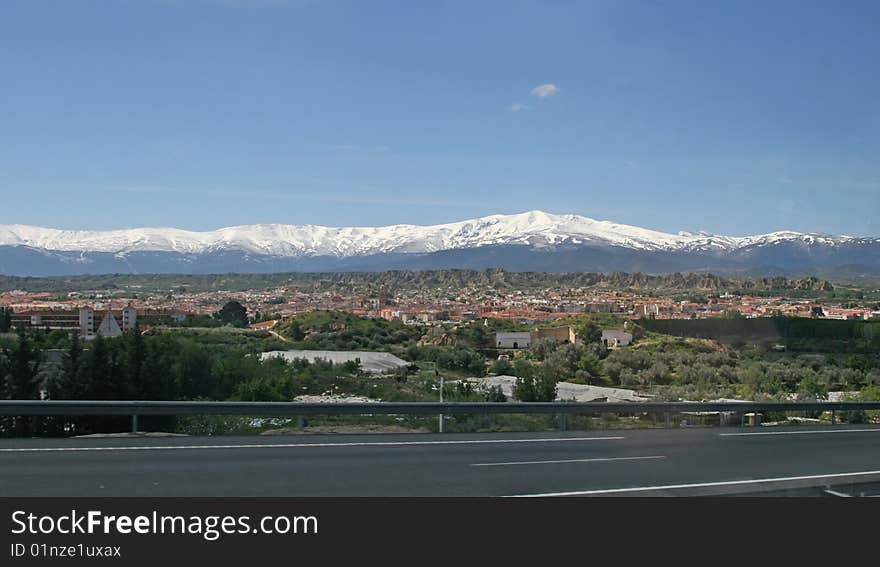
(666, 420)
(134, 423)
(563, 422)
(833, 417)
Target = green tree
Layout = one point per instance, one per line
(159, 382)
(22, 380)
(589, 369)
(5, 319)
(135, 355)
(194, 372)
(502, 367)
(295, 332)
(4, 375)
(233, 313)
(589, 333)
(67, 384)
(533, 384)
(563, 363)
(870, 394)
(811, 388)
(543, 348)
(98, 371)
(495, 394)
(4, 379)
(24, 367)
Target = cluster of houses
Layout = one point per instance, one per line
(524, 340)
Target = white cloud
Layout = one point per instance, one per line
(517, 106)
(543, 91)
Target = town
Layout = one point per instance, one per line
(490, 335)
(86, 309)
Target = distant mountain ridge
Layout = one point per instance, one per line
(531, 241)
(388, 281)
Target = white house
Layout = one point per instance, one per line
(613, 339)
(513, 340)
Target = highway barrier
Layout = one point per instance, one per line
(299, 409)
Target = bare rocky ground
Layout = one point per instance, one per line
(566, 391)
(334, 399)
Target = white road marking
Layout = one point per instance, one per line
(594, 460)
(700, 484)
(874, 430)
(299, 445)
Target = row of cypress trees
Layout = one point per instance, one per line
(110, 369)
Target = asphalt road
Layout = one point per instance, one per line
(624, 462)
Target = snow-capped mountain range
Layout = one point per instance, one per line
(534, 228)
(528, 240)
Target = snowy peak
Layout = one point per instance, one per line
(535, 229)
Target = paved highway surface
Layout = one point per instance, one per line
(622, 462)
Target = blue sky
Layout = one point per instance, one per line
(734, 117)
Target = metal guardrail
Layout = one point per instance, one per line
(114, 407)
(150, 408)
